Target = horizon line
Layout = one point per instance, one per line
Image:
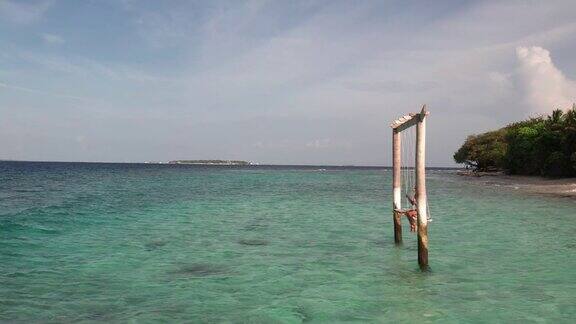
(250, 165)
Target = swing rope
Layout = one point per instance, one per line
(407, 167)
(408, 170)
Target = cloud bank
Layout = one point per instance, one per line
(546, 87)
(284, 82)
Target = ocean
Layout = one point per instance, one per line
(97, 242)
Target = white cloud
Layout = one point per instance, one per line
(287, 82)
(23, 13)
(81, 66)
(545, 86)
(38, 92)
(52, 39)
(318, 143)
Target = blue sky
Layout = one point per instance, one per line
(285, 82)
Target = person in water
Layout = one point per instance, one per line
(412, 213)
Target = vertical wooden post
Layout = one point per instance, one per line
(396, 185)
(421, 198)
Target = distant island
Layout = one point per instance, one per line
(211, 162)
(544, 146)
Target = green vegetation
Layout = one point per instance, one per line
(538, 146)
(483, 152)
(211, 162)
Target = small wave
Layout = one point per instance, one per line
(17, 226)
(254, 242)
(200, 270)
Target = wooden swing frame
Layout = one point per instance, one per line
(399, 125)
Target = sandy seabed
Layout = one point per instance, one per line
(565, 187)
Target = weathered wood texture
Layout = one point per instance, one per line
(396, 184)
(404, 122)
(397, 227)
(421, 199)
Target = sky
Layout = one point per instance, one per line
(278, 82)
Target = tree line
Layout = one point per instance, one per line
(544, 145)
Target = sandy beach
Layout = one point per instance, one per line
(565, 187)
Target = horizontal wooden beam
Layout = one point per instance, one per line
(409, 120)
(404, 122)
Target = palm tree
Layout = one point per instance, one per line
(570, 118)
(556, 116)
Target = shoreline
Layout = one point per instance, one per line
(561, 187)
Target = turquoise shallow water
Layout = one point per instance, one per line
(158, 243)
